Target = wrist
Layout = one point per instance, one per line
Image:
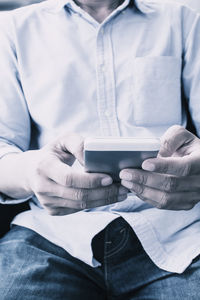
(15, 173)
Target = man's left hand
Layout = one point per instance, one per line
(172, 180)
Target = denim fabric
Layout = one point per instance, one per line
(31, 268)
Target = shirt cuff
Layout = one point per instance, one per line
(4, 199)
(6, 149)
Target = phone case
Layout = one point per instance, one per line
(111, 155)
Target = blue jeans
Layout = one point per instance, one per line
(33, 268)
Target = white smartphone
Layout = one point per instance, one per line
(110, 154)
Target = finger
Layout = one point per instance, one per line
(64, 175)
(53, 203)
(163, 182)
(178, 166)
(104, 202)
(165, 200)
(54, 190)
(175, 137)
(74, 144)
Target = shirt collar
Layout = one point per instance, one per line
(141, 5)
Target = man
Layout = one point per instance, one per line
(71, 69)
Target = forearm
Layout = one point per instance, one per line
(15, 171)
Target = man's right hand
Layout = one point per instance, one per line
(60, 189)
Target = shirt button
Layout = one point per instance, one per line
(107, 113)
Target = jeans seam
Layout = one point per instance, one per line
(105, 263)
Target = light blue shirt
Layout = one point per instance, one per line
(63, 72)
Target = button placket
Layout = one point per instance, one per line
(101, 80)
(106, 84)
(110, 86)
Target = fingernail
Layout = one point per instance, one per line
(125, 175)
(127, 184)
(106, 181)
(122, 190)
(148, 166)
(121, 198)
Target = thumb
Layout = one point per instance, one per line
(177, 166)
(175, 137)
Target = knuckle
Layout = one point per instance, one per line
(166, 145)
(78, 194)
(68, 180)
(173, 184)
(186, 169)
(165, 168)
(139, 189)
(81, 195)
(90, 180)
(59, 193)
(163, 201)
(84, 193)
(170, 184)
(142, 179)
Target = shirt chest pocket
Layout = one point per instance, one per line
(156, 90)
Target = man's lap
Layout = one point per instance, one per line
(33, 268)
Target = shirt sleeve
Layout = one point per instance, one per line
(191, 65)
(14, 115)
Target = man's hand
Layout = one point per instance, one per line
(172, 180)
(48, 174)
(60, 189)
